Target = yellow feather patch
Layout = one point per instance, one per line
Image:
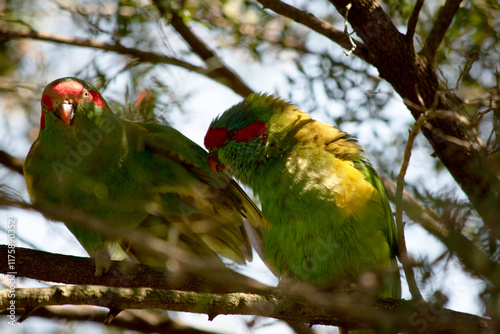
(353, 192)
(326, 153)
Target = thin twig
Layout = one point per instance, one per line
(199, 47)
(448, 115)
(9, 32)
(403, 252)
(466, 145)
(468, 65)
(346, 22)
(13, 33)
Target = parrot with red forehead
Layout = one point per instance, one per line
(134, 174)
(328, 214)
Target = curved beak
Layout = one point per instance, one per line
(66, 112)
(213, 162)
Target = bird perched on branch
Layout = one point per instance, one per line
(133, 174)
(329, 217)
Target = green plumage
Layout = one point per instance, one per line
(133, 174)
(328, 212)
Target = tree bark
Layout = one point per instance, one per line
(347, 313)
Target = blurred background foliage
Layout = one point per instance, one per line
(265, 50)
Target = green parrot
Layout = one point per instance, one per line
(328, 214)
(134, 174)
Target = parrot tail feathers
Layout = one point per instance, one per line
(248, 207)
(254, 236)
(396, 278)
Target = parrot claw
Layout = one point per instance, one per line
(102, 261)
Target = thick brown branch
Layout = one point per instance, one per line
(348, 313)
(443, 21)
(11, 162)
(220, 71)
(67, 269)
(321, 27)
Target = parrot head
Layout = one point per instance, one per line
(64, 98)
(239, 137)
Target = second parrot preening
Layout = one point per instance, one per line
(328, 213)
(133, 174)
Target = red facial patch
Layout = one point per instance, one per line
(219, 137)
(251, 132)
(42, 121)
(69, 88)
(47, 101)
(216, 138)
(61, 90)
(98, 101)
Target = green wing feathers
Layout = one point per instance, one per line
(387, 225)
(219, 204)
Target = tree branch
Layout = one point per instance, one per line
(412, 22)
(321, 27)
(221, 72)
(79, 270)
(8, 32)
(436, 35)
(474, 259)
(346, 312)
(335, 308)
(11, 162)
(403, 252)
(137, 320)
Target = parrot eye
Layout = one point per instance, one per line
(86, 94)
(232, 134)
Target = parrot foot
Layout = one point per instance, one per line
(127, 267)
(102, 261)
